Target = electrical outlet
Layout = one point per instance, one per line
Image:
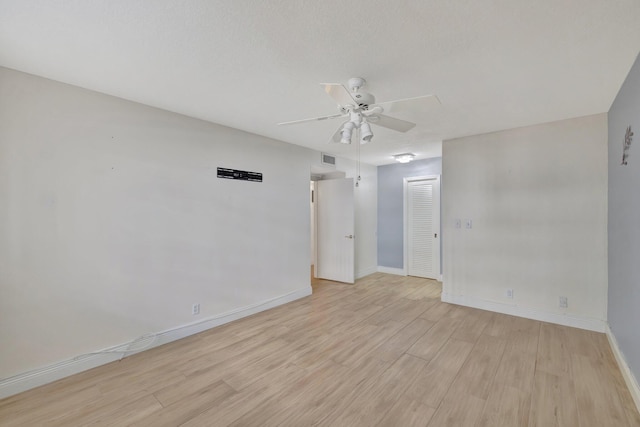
(195, 309)
(509, 293)
(564, 303)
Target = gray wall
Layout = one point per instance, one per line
(624, 221)
(390, 206)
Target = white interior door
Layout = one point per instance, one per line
(423, 227)
(335, 230)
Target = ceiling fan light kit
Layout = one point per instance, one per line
(346, 132)
(365, 133)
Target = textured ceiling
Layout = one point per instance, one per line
(494, 64)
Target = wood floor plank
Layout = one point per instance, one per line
(436, 337)
(472, 326)
(129, 412)
(353, 354)
(317, 354)
(463, 410)
(431, 289)
(241, 376)
(148, 380)
(630, 409)
(335, 399)
(507, 406)
(437, 311)
(371, 404)
(499, 325)
(409, 413)
(399, 343)
(509, 397)
(518, 363)
(587, 343)
(114, 410)
(403, 311)
(477, 374)
(273, 411)
(598, 400)
(434, 381)
(22, 411)
(553, 402)
(188, 407)
(221, 352)
(91, 412)
(228, 410)
(554, 356)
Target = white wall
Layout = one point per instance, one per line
(537, 198)
(312, 222)
(366, 198)
(113, 223)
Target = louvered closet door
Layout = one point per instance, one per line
(422, 232)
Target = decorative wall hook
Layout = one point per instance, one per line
(626, 145)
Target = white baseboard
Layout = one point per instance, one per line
(365, 272)
(590, 324)
(391, 270)
(629, 378)
(47, 374)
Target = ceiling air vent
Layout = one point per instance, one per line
(328, 160)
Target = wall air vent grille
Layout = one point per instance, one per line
(328, 160)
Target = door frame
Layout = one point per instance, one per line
(314, 226)
(436, 220)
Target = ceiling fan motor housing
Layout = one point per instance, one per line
(363, 99)
(356, 83)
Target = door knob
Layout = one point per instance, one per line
(350, 236)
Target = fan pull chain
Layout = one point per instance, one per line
(358, 159)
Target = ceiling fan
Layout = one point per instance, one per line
(361, 110)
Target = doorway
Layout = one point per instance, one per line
(422, 226)
(332, 220)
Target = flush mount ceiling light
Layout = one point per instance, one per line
(404, 157)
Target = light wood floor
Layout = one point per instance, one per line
(383, 352)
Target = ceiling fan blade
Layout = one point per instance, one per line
(391, 123)
(339, 93)
(314, 119)
(419, 103)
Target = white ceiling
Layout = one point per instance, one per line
(494, 64)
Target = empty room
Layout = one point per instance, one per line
(293, 213)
